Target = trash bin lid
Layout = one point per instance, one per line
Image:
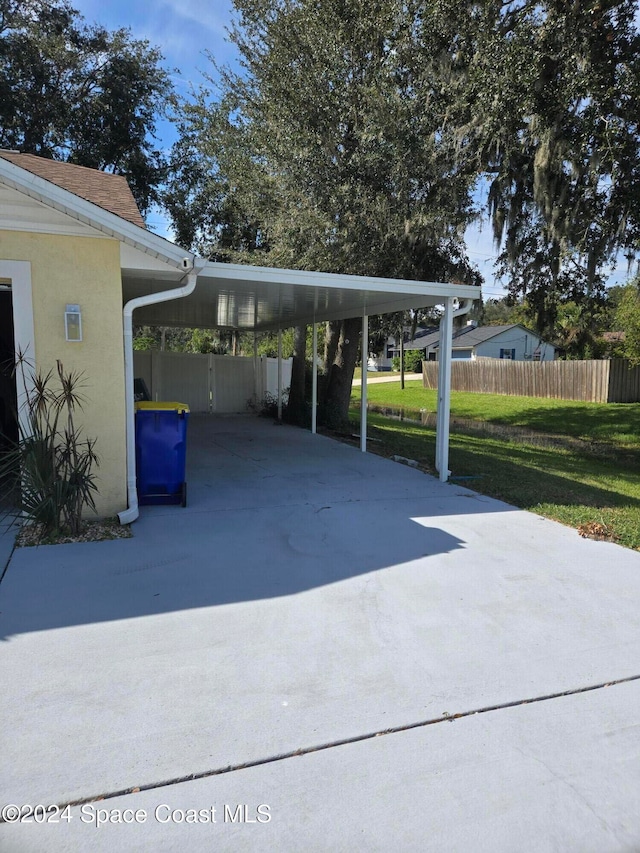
(156, 405)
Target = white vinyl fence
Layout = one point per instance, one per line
(210, 383)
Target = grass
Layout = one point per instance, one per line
(573, 487)
(611, 423)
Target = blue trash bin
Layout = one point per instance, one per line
(161, 451)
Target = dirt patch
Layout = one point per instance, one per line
(598, 531)
(31, 535)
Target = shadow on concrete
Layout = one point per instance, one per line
(273, 512)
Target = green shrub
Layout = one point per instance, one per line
(48, 471)
(413, 359)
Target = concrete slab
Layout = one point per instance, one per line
(308, 593)
(554, 776)
(375, 378)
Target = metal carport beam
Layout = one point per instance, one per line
(444, 384)
(279, 374)
(314, 381)
(363, 383)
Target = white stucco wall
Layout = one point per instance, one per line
(86, 271)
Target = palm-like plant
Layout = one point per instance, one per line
(49, 469)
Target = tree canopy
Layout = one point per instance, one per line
(331, 148)
(356, 138)
(627, 320)
(555, 87)
(335, 148)
(80, 93)
(355, 125)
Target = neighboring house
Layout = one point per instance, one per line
(72, 241)
(513, 342)
(613, 344)
(614, 337)
(423, 339)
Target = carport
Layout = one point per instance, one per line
(253, 298)
(162, 284)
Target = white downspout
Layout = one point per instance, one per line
(129, 515)
(444, 385)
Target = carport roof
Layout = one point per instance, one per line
(229, 295)
(250, 297)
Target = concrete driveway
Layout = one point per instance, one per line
(324, 651)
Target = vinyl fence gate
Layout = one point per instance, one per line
(221, 384)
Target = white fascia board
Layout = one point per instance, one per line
(90, 214)
(134, 259)
(404, 287)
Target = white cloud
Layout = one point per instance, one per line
(213, 19)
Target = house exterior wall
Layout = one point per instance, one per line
(379, 362)
(86, 271)
(523, 342)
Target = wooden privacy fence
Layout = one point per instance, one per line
(612, 381)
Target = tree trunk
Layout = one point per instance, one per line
(402, 359)
(331, 338)
(296, 408)
(336, 404)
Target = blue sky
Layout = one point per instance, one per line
(183, 30)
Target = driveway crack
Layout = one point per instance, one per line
(445, 718)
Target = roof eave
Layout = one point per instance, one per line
(90, 214)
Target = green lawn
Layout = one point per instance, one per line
(575, 488)
(611, 423)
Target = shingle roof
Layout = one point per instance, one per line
(471, 336)
(427, 339)
(111, 192)
(465, 338)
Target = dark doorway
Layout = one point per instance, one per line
(8, 404)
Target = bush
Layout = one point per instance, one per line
(48, 471)
(413, 359)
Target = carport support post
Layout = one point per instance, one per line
(363, 383)
(444, 391)
(314, 380)
(255, 369)
(279, 374)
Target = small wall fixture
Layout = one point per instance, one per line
(73, 323)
